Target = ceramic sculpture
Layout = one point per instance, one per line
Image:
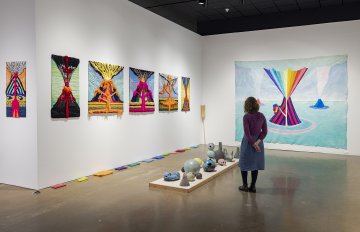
(190, 176)
(210, 152)
(198, 176)
(184, 181)
(199, 161)
(171, 176)
(228, 157)
(222, 162)
(219, 153)
(209, 165)
(191, 166)
(237, 153)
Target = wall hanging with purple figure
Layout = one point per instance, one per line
(141, 90)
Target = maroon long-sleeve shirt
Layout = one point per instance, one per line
(254, 124)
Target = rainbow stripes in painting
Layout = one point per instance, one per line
(286, 83)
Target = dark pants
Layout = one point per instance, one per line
(254, 175)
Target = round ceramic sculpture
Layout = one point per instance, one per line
(211, 152)
(211, 146)
(199, 161)
(198, 176)
(222, 162)
(209, 165)
(190, 176)
(191, 166)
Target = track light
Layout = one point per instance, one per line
(203, 2)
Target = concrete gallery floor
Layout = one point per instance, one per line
(297, 192)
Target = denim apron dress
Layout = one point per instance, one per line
(250, 160)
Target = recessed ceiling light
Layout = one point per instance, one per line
(203, 2)
(227, 10)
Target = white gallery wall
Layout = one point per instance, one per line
(18, 136)
(221, 51)
(38, 151)
(116, 32)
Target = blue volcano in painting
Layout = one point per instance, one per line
(319, 105)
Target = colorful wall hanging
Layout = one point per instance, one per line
(168, 92)
(106, 89)
(64, 87)
(141, 90)
(185, 94)
(16, 89)
(304, 100)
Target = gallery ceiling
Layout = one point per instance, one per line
(227, 16)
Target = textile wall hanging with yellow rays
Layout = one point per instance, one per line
(106, 89)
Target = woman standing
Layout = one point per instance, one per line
(252, 146)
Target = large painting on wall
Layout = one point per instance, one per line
(106, 89)
(64, 87)
(168, 92)
(185, 94)
(304, 100)
(16, 89)
(141, 90)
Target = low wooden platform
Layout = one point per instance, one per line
(207, 177)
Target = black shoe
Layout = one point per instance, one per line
(252, 189)
(244, 188)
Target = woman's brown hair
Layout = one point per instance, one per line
(251, 105)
